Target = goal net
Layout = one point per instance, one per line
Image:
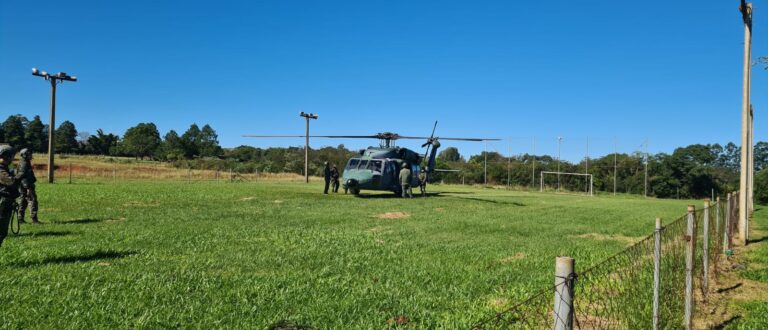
(566, 182)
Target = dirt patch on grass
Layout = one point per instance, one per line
(398, 320)
(118, 220)
(499, 303)
(627, 240)
(393, 215)
(277, 201)
(439, 209)
(510, 259)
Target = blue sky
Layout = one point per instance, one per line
(668, 71)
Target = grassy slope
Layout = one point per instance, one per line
(248, 255)
(751, 308)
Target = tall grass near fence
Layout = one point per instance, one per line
(618, 293)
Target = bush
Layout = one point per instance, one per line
(761, 187)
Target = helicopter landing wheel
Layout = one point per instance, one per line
(346, 190)
(355, 191)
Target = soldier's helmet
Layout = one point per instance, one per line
(405, 165)
(7, 152)
(25, 153)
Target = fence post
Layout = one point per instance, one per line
(727, 225)
(563, 311)
(70, 173)
(189, 175)
(656, 272)
(705, 250)
(690, 237)
(114, 173)
(717, 218)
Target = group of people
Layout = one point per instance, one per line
(405, 181)
(331, 175)
(15, 184)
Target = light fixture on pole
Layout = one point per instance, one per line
(307, 116)
(54, 79)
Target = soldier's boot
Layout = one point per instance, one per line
(35, 221)
(21, 218)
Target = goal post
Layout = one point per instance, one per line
(587, 177)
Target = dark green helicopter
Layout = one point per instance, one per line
(378, 168)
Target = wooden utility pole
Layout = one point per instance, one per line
(307, 116)
(53, 79)
(746, 14)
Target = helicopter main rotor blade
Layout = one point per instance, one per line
(315, 136)
(447, 138)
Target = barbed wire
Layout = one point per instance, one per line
(617, 293)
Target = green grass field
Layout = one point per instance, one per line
(172, 254)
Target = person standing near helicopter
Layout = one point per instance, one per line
(334, 179)
(26, 174)
(327, 177)
(405, 181)
(9, 190)
(423, 181)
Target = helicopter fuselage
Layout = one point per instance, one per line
(379, 169)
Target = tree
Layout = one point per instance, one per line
(450, 154)
(191, 139)
(172, 147)
(208, 142)
(13, 129)
(102, 144)
(66, 138)
(36, 135)
(141, 140)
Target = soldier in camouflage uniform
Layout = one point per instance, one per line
(405, 181)
(327, 177)
(26, 176)
(9, 190)
(334, 179)
(423, 181)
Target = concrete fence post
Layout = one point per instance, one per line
(70, 173)
(563, 312)
(705, 250)
(690, 237)
(717, 218)
(189, 175)
(656, 272)
(727, 225)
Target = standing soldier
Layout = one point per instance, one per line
(335, 179)
(327, 177)
(423, 181)
(9, 190)
(26, 175)
(405, 181)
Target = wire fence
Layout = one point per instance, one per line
(74, 173)
(619, 292)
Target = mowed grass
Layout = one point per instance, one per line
(249, 255)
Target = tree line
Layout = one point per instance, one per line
(693, 171)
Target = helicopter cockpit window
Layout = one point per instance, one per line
(374, 165)
(363, 164)
(353, 163)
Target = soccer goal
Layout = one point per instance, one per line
(567, 181)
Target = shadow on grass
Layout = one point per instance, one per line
(733, 287)
(727, 322)
(83, 257)
(489, 201)
(77, 221)
(392, 195)
(764, 238)
(45, 234)
(287, 325)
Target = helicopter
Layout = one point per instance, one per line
(378, 168)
